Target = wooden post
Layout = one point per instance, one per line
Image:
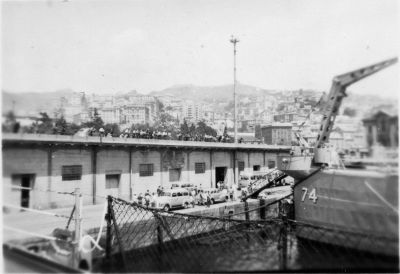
(211, 167)
(108, 235)
(160, 238)
(94, 173)
(283, 239)
(78, 227)
(246, 210)
(49, 171)
(188, 165)
(262, 209)
(264, 158)
(248, 159)
(130, 174)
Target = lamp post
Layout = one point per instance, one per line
(234, 41)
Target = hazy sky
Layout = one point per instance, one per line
(111, 46)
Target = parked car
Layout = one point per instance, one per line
(217, 195)
(185, 185)
(173, 198)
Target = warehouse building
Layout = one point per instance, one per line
(49, 166)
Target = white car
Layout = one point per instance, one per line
(217, 195)
(173, 198)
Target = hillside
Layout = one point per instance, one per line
(31, 103)
(209, 93)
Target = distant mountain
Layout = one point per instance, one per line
(209, 93)
(31, 103)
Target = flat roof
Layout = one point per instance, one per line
(15, 138)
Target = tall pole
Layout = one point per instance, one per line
(234, 41)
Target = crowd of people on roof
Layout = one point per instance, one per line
(162, 135)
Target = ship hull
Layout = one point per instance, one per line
(296, 166)
(352, 204)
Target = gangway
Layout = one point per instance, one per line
(255, 188)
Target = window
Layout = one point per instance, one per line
(256, 167)
(199, 168)
(146, 170)
(241, 165)
(70, 173)
(112, 181)
(271, 164)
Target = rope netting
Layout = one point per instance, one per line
(143, 239)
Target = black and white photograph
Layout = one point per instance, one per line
(200, 136)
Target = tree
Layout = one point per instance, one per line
(61, 126)
(113, 129)
(192, 129)
(72, 129)
(96, 121)
(160, 106)
(184, 128)
(203, 129)
(44, 124)
(10, 124)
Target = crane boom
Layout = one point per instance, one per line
(338, 91)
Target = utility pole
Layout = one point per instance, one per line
(234, 41)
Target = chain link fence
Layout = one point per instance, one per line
(149, 240)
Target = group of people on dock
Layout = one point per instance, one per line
(161, 135)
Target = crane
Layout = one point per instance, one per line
(338, 92)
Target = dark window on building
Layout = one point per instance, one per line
(256, 168)
(271, 164)
(241, 165)
(112, 181)
(199, 167)
(146, 170)
(70, 173)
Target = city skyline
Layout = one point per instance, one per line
(107, 47)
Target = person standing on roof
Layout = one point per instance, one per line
(101, 131)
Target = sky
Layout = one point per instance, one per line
(118, 46)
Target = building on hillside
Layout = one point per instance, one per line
(110, 115)
(150, 102)
(286, 117)
(134, 114)
(71, 107)
(192, 111)
(275, 134)
(81, 117)
(382, 128)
